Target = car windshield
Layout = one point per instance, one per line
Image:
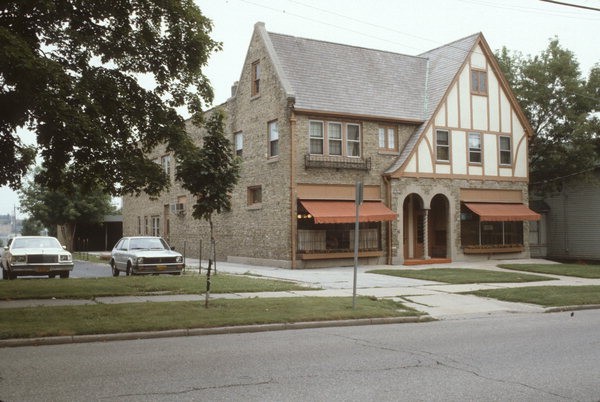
(148, 243)
(35, 242)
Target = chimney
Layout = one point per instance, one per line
(234, 88)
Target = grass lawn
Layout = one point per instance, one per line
(579, 270)
(462, 275)
(88, 288)
(83, 256)
(548, 296)
(116, 318)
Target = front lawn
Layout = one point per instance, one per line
(579, 270)
(119, 318)
(548, 296)
(88, 288)
(461, 275)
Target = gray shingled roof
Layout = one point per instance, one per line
(339, 78)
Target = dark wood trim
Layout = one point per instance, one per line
(347, 254)
(492, 250)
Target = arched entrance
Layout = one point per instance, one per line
(413, 234)
(438, 227)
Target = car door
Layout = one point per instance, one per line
(120, 254)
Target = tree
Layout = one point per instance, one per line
(72, 71)
(561, 107)
(31, 227)
(210, 173)
(66, 208)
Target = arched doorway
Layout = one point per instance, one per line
(413, 234)
(438, 227)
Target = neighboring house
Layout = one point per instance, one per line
(570, 224)
(438, 140)
(100, 236)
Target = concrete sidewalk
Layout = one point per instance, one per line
(439, 300)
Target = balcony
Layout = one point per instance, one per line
(336, 162)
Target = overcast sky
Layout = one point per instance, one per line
(402, 26)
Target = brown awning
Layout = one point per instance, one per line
(345, 211)
(502, 212)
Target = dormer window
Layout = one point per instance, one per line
(479, 82)
(255, 78)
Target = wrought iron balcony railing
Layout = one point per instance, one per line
(336, 162)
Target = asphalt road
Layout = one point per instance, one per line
(85, 269)
(532, 357)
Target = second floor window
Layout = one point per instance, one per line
(334, 134)
(387, 138)
(273, 139)
(442, 146)
(474, 148)
(353, 139)
(165, 162)
(505, 151)
(255, 78)
(334, 138)
(238, 139)
(316, 137)
(155, 226)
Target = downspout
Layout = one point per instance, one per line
(388, 201)
(293, 212)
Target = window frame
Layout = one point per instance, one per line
(256, 73)
(504, 151)
(311, 138)
(325, 139)
(339, 140)
(165, 163)
(438, 145)
(273, 143)
(383, 138)
(155, 219)
(251, 195)
(477, 88)
(478, 150)
(349, 141)
(239, 150)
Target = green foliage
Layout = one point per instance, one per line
(211, 171)
(31, 227)
(560, 105)
(99, 83)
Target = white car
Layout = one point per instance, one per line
(145, 255)
(35, 255)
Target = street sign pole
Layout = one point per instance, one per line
(358, 201)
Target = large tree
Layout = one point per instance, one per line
(99, 82)
(562, 107)
(65, 208)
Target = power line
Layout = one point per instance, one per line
(572, 5)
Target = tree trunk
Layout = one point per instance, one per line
(68, 234)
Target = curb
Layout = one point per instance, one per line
(562, 309)
(126, 336)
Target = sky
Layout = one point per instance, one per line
(402, 26)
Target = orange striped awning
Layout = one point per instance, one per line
(345, 211)
(502, 212)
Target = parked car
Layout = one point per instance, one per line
(145, 255)
(35, 255)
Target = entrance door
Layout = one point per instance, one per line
(413, 230)
(438, 227)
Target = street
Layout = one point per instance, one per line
(533, 357)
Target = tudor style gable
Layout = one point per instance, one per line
(477, 130)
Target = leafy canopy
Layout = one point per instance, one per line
(210, 172)
(562, 107)
(72, 71)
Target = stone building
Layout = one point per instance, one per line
(438, 141)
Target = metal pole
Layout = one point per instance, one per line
(358, 201)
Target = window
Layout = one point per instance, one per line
(387, 138)
(139, 230)
(474, 148)
(353, 139)
(505, 151)
(254, 195)
(165, 162)
(238, 139)
(334, 134)
(255, 78)
(316, 137)
(442, 146)
(155, 225)
(146, 226)
(273, 139)
(479, 82)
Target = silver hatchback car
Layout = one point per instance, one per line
(145, 255)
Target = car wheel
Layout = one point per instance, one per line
(129, 270)
(113, 266)
(64, 275)
(4, 273)
(52, 276)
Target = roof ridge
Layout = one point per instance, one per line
(449, 44)
(347, 45)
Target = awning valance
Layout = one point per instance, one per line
(345, 211)
(502, 212)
